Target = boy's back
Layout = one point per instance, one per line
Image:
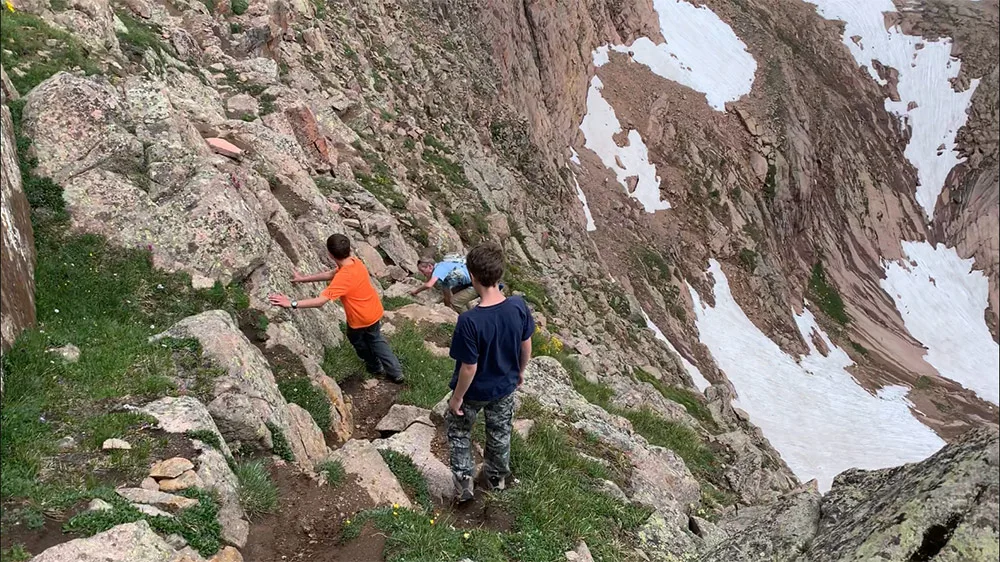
(490, 337)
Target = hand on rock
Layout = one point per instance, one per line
(280, 300)
(297, 277)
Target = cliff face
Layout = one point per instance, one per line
(806, 168)
(17, 254)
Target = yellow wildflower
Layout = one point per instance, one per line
(466, 535)
(348, 522)
(9, 5)
(432, 521)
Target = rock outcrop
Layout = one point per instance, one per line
(132, 542)
(17, 253)
(944, 508)
(247, 402)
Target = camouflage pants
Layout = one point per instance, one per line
(499, 423)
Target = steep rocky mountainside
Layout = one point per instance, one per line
(228, 139)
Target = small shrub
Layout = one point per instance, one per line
(258, 493)
(301, 391)
(409, 477)
(923, 382)
(267, 106)
(199, 525)
(279, 443)
(859, 348)
(16, 553)
(239, 7)
(826, 296)
(333, 471)
(206, 436)
(748, 259)
(235, 28)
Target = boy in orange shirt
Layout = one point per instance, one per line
(351, 284)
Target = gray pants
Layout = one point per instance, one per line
(499, 424)
(371, 347)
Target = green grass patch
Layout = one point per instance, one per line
(239, 7)
(748, 259)
(279, 443)
(923, 382)
(677, 437)
(533, 290)
(198, 525)
(826, 296)
(395, 303)
(409, 477)
(556, 504)
(24, 47)
(300, 390)
(694, 406)
(657, 268)
(451, 171)
(139, 37)
(380, 182)
(206, 436)
(258, 493)
(342, 363)
(333, 471)
(16, 553)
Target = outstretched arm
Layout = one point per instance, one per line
(314, 278)
(286, 302)
(428, 285)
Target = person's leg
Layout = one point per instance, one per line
(463, 465)
(499, 424)
(460, 300)
(361, 347)
(381, 350)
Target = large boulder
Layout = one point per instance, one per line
(131, 542)
(415, 442)
(247, 402)
(217, 476)
(17, 252)
(362, 460)
(183, 414)
(135, 170)
(660, 478)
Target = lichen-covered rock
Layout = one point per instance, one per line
(181, 414)
(660, 478)
(246, 397)
(131, 542)
(945, 506)
(415, 442)
(217, 476)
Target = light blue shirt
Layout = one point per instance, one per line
(452, 274)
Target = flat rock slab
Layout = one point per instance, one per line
(132, 542)
(401, 416)
(158, 499)
(189, 479)
(225, 148)
(361, 459)
(424, 315)
(415, 442)
(171, 468)
(183, 414)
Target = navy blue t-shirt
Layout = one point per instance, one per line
(490, 337)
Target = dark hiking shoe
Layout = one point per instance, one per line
(464, 488)
(497, 484)
(398, 379)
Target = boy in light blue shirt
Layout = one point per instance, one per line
(453, 277)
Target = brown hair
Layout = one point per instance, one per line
(486, 263)
(339, 246)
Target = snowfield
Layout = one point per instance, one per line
(810, 408)
(928, 104)
(942, 301)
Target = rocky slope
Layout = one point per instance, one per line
(231, 138)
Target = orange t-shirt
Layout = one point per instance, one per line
(353, 287)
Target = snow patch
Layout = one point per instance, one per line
(811, 409)
(925, 70)
(692, 370)
(701, 52)
(942, 301)
(599, 126)
(591, 226)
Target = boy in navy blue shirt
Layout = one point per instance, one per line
(491, 348)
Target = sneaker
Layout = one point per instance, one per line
(398, 379)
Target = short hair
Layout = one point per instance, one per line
(486, 263)
(428, 259)
(339, 246)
